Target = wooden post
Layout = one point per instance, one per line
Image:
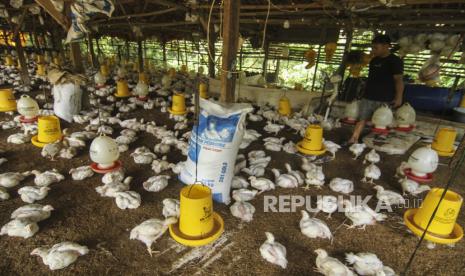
(265, 60)
(164, 53)
(240, 60)
(342, 68)
(316, 67)
(140, 56)
(76, 57)
(90, 45)
(230, 38)
(211, 49)
(127, 49)
(22, 61)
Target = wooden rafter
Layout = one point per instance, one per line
(137, 15)
(59, 17)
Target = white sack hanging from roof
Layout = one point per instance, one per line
(58, 4)
(16, 3)
(214, 146)
(81, 11)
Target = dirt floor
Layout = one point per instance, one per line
(82, 216)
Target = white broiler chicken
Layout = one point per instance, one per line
(143, 157)
(341, 185)
(357, 149)
(110, 189)
(75, 142)
(67, 153)
(365, 263)
(313, 227)
(242, 210)
(372, 172)
(239, 182)
(372, 157)
(327, 204)
(51, 150)
(81, 173)
(170, 208)
(262, 184)
(290, 147)
(114, 176)
(306, 164)
(12, 179)
(285, 180)
(61, 254)
(177, 168)
(150, 231)
(20, 228)
(162, 165)
(254, 117)
(46, 178)
(331, 147)
(273, 251)
(412, 187)
(297, 174)
(241, 163)
(330, 266)
(32, 212)
(273, 128)
(18, 138)
(388, 197)
(400, 170)
(127, 200)
(315, 177)
(4, 195)
(162, 148)
(3, 160)
(244, 194)
(361, 214)
(156, 183)
(29, 194)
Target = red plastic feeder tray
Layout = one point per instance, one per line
(405, 129)
(24, 120)
(410, 175)
(116, 166)
(382, 131)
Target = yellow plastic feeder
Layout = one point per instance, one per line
(443, 229)
(49, 131)
(143, 77)
(40, 69)
(284, 107)
(57, 61)
(203, 92)
(172, 73)
(40, 59)
(178, 106)
(443, 142)
(462, 103)
(198, 225)
(7, 100)
(312, 144)
(184, 69)
(9, 61)
(122, 89)
(104, 70)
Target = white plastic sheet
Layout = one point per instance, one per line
(67, 100)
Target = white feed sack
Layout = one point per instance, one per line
(220, 132)
(67, 100)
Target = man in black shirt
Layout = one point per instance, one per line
(384, 83)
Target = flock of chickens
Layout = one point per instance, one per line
(109, 114)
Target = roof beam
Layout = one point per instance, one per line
(168, 3)
(59, 17)
(129, 16)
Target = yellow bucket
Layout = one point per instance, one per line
(122, 89)
(49, 131)
(203, 93)
(462, 103)
(9, 61)
(284, 107)
(443, 228)
(40, 69)
(443, 142)
(312, 144)
(183, 68)
(143, 78)
(7, 100)
(57, 61)
(198, 224)
(172, 73)
(178, 105)
(104, 70)
(40, 59)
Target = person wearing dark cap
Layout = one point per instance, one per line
(384, 84)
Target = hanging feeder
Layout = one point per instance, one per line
(330, 49)
(381, 119)
(49, 131)
(7, 100)
(178, 105)
(312, 144)
(104, 153)
(421, 164)
(405, 118)
(28, 108)
(443, 142)
(284, 106)
(198, 224)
